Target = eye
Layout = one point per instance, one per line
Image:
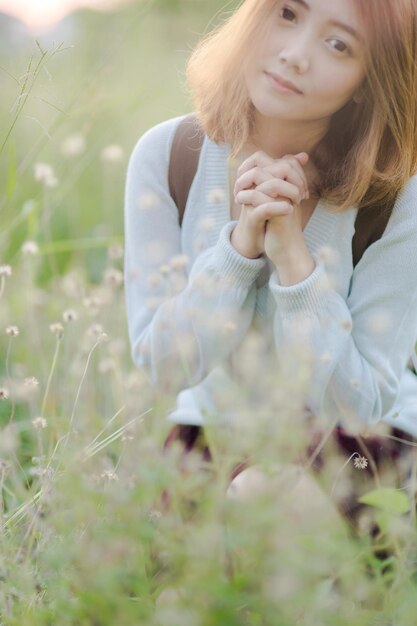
(287, 14)
(339, 45)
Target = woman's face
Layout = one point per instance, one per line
(316, 45)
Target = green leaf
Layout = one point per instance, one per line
(387, 499)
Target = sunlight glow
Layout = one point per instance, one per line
(41, 15)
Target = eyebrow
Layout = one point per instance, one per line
(342, 25)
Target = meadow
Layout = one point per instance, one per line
(85, 538)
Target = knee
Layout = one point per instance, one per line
(251, 482)
(300, 493)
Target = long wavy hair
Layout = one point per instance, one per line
(370, 148)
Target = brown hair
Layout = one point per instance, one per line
(370, 149)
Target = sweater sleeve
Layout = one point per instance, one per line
(182, 320)
(358, 348)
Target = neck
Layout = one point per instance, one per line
(278, 137)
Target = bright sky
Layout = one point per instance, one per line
(41, 14)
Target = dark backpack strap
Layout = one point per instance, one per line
(185, 154)
(370, 224)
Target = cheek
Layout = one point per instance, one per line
(339, 87)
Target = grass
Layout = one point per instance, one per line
(85, 538)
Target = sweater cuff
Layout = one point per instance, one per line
(305, 297)
(233, 266)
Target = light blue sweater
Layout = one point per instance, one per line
(193, 300)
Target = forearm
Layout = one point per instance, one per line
(294, 262)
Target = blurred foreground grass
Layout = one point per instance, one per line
(84, 536)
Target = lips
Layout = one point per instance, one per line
(284, 83)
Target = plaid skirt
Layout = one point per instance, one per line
(383, 454)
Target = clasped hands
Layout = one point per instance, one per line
(271, 191)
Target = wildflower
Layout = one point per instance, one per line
(69, 316)
(229, 327)
(360, 462)
(117, 346)
(5, 270)
(207, 224)
(379, 323)
(106, 365)
(12, 331)
(109, 475)
(41, 472)
(216, 196)
(30, 247)
(115, 252)
(4, 393)
(154, 280)
(113, 277)
(164, 269)
(31, 382)
(148, 200)
(112, 153)
(57, 329)
(39, 422)
(73, 145)
(5, 466)
(328, 254)
(346, 324)
(326, 357)
(154, 515)
(179, 261)
(44, 174)
(95, 330)
(92, 302)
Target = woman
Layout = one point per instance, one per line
(309, 110)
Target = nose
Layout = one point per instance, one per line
(296, 52)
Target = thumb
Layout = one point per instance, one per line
(302, 157)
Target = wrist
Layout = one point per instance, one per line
(244, 249)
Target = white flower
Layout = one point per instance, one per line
(30, 248)
(39, 422)
(112, 153)
(179, 261)
(69, 316)
(44, 173)
(106, 365)
(5, 270)
(109, 475)
(73, 145)
(12, 331)
(326, 357)
(148, 200)
(328, 254)
(31, 382)
(115, 252)
(113, 277)
(207, 224)
(57, 329)
(4, 393)
(216, 196)
(360, 462)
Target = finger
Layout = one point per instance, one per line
(276, 187)
(302, 157)
(297, 162)
(258, 158)
(286, 170)
(252, 196)
(254, 176)
(267, 211)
